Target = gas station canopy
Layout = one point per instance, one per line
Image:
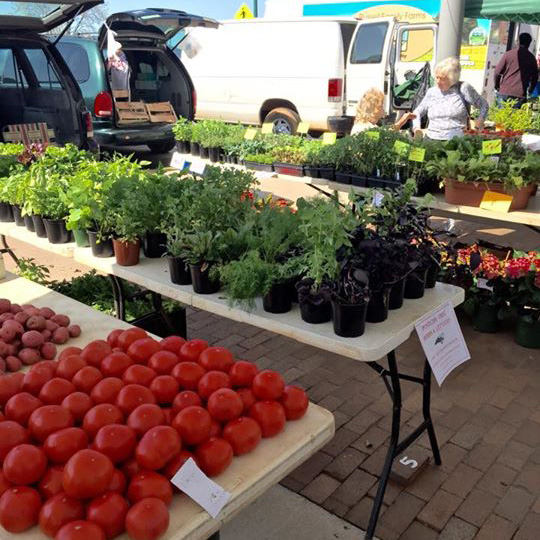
(526, 11)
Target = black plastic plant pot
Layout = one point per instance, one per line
(194, 148)
(528, 332)
(278, 299)
(56, 231)
(358, 180)
(383, 183)
(6, 214)
(154, 244)
(213, 154)
(486, 319)
(202, 284)
(179, 272)
(39, 226)
(432, 275)
(235, 160)
(101, 248)
(256, 166)
(326, 173)
(316, 313)
(17, 215)
(204, 152)
(289, 169)
(183, 147)
(415, 285)
(397, 293)
(377, 309)
(29, 223)
(349, 319)
(343, 177)
(312, 172)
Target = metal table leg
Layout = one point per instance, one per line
(119, 298)
(6, 249)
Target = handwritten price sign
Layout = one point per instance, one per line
(329, 138)
(490, 148)
(417, 154)
(267, 128)
(303, 128)
(373, 135)
(401, 148)
(250, 134)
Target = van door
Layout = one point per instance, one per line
(368, 61)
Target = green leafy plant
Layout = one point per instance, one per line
(182, 129)
(509, 118)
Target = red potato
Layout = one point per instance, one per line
(2, 365)
(47, 312)
(26, 306)
(15, 308)
(29, 356)
(35, 322)
(62, 320)
(6, 317)
(60, 335)
(51, 325)
(13, 363)
(33, 339)
(4, 349)
(7, 334)
(16, 326)
(21, 317)
(48, 351)
(47, 335)
(5, 305)
(74, 330)
(33, 310)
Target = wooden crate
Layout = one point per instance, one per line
(131, 112)
(161, 112)
(27, 134)
(120, 94)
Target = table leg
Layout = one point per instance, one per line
(119, 299)
(6, 249)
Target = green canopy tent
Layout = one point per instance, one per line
(525, 11)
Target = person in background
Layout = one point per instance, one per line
(447, 105)
(369, 111)
(536, 91)
(516, 73)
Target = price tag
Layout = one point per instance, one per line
(250, 134)
(196, 485)
(329, 138)
(373, 135)
(303, 128)
(177, 161)
(417, 154)
(496, 202)
(401, 148)
(198, 167)
(481, 283)
(492, 147)
(377, 199)
(267, 128)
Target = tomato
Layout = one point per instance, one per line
(172, 344)
(162, 362)
(35, 379)
(145, 417)
(188, 374)
(11, 435)
(215, 429)
(116, 441)
(86, 378)
(147, 520)
(112, 338)
(149, 484)
(193, 424)
(106, 390)
(69, 366)
(244, 434)
(80, 530)
(270, 415)
(78, 404)
(4, 484)
(216, 359)
(157, 447)
(9, 386)
(51, 483)
(242, 373)
(142, 349)
(165, 388)
(19, 509)
(133, 395)
(68, 351)
(138, 374)
(214, 456)
(174, 465)
(54, 391)
(225, 405)
(184, 399)
(212, 381)
(87, 474)
(118, 482)
(114, 364)
(24, 464)
(131, 468)
(127, 337)
(48, 419)
(295, 402)
(268, 385)
(99, 416)
(246, 394)
(60, 446)
(58, 511)
(95, 352)
(191, 350)
(20, 406)
(109, 512)
(168, 414)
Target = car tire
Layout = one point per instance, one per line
(161, 147)
(284, 120)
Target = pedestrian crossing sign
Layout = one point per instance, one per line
(243, 12)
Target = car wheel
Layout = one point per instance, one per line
(284, 120)
(162, 147)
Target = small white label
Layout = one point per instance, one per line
(265, 175)
(177, 161)
(481, 283)
(377, 199)
(196, 485)
(198, 167)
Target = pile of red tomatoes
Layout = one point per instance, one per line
(88, 444)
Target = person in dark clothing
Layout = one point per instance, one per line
(517, 73)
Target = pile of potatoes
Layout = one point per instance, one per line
(29, 334)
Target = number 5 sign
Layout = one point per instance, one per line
(408, 465)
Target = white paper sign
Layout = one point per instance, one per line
(481, 283)
(377, 199)
(196, 485)
(177, 160)
(442, 341)
(265, 175)
(198, 167)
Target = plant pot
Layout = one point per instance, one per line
(311, 171)
(315, 313)
(102, 248)
(256, 166)
(127, 253)
(432, 275)
(326, 172)
(17, 215)
(178, 271)
(415, 284)
(194, 148)
(528, 333)
(382, 183)
(204, 152)
(183, 147)
(278, 299)
(349, 320)
(29, 223)
(397, 293)
(378, 305)
(6, 214)
(289, 169)
(469, 194)
(81, 237)
(202, 284)
(39, 226)
(485, 319)
(358, 180)
(213, 154)
(343, 177)
(56, 231)
(163, 324)
(154, 245)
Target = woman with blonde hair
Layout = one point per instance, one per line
(369, 111)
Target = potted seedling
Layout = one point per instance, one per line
(182, 133)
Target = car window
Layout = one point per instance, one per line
(10, 75)
(77, 60)
(369, 43)
(43, 68)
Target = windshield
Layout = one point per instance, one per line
(39, 10)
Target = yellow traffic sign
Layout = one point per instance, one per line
(243, 12)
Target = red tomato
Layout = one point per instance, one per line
(174, 465)
(4, 484)
(34, 380)
(87, 474)
(109, 512)
(49, 364)
(172, 344)
(25, 464)
(246, 394)
(162, 362)
(193, 424)
(225, 405)
(212, 381)
(46, 420)
(80, 530)
(157, 447)
(118, 482)
(116, 441)
(106, 390)
(86, 378)
(188, 374)
(184, 399)
(268, 385)
(78, 404)
(131, 468)
(133, 395)
(69, 366)
(295, 402)
(216, 359)
(114, 364)
(51, 483)
(99, 416)
(142, 349)
(54, 391)
(11, 435)
(165, 388)
(68, 351)
(20, 406)
(58, 511)
(244, 434)
(242, 373)
(145, 417)
(147, 520)
(270, 415)
(191, 350)
(95, 352)
(215, 429)
(138, 374)
(149, 484)
(19, 509)
(112, 338)
(167, 413)
(214, 456)
(127, 337)
(60, 446)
